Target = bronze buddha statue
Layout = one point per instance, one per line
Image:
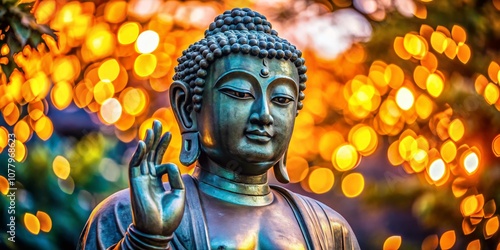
(235, 95)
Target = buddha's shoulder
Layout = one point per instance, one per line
(312, 206)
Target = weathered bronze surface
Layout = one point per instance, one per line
(235, 96)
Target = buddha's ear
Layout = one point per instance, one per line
(180, 100)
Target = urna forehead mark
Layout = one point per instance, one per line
(264, 72)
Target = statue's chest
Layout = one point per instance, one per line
(237, 227)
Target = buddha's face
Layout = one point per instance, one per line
(248, 112)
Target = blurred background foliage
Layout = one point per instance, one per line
(400, 130)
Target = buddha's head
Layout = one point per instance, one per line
(236, 94)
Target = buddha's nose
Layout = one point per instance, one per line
(261, 114)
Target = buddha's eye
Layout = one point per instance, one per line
(282, 100)
(236, 94)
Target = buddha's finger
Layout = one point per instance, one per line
(136, 160)
(156, 139)
(148, 139)
(162, 147)
(174, 176)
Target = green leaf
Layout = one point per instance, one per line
(13, 44)
(9, 68)
(35, 39)
(22, 32)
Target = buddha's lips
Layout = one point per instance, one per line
(258, 135)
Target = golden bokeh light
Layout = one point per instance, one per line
(22, 131)
(320, 180)
(128, 32)
(405, 98)
(134, 100)
(111, 110)
(100, 43)
(491, 93)
(45, 221)
(448, 239)
(330, 141)
(430, 242)
(495, 145)
(115, 11)
(474, 245)
(393, 154)
(62, 95)
(437, 170)
(103, 90)
(147, 41)
(456, 129)
(145, 65)
(363, 138)
(491, 227)
(4, 185)
(493, 70)
(415, 45)
(353, 184)
(469, 205)
(61, 167)
(31, 223)
(109, 70)
(345, 157)
(45, 11)
(21, 151)
(44, 128)
(408, 146)
(392, 243)
(439, 41)
(434, 84)
(470, 160)
(448, 151)
(297, 168)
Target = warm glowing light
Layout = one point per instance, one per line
(456, 129)
(437, 170)
(21, 151)
(321, 180)
(392, 243)
(491, 227)
(45, 221)
(448, 151)
(408, 146)
(4, 185)
(430, 242)
(111, 110)
(474, 245)
(62, 95)
(45, 11)
(32, 223)
(145, 64)
(404, 98)
(61, 167)
(109, 70)
(297, 168)
(103, 91)
(493, 70)
(469, 205)
(353, 184)
(22, 131)
(364, 139)
(128, 33)
(471, 162)
(4, 137)
(115, 11)
(423, 106)
(415, 45)
(393, 154)
(394, 76)
(447, 239)
(491, 93)
(147, 41)
(329, 142)
(345, 157)
(100, 42)
(134, 101)
(44, 128)
(434, 85)
(438, 41)
(400, 49)
(495, 145)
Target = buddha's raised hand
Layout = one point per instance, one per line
(155, 210)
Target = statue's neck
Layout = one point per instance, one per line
(229, 186)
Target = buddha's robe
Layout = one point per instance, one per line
(321, 227)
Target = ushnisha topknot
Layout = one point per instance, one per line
(236, 31)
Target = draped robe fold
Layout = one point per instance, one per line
(321, 227)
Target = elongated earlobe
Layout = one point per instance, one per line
(280, 170)
(190, 148)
